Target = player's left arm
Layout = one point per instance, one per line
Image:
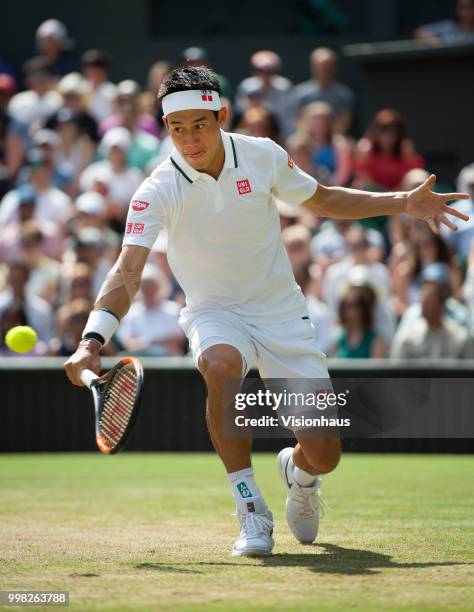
(420, 203)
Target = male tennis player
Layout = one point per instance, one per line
(213, 194)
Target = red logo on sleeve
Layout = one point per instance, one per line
(139, 205)
(291, 163)
(135, 228)
(243, 186)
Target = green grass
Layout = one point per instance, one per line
(154, 532)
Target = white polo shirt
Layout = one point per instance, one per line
(224, 238)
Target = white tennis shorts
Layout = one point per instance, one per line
(278, 350)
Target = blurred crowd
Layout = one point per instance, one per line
(74, 147)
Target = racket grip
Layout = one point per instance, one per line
(88, 377)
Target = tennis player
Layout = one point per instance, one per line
(213, 194)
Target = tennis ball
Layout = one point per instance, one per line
(21, 338)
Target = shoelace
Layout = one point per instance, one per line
(254, 524)
(311, 502)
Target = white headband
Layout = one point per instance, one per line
(190, 99)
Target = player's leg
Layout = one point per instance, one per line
(223, 352)
(287, 351)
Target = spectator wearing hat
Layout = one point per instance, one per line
(274, 89)
(73, 88)
(357, 337)
(113, 177)
(29, 111)
(434, 334)
(51, 204)
(49, 142)
(151, 325)
(100, 91)
(54, 46)
(324, 87)
(142, 126)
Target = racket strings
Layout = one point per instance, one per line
(118, 405)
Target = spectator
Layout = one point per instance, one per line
(44, 275)
(78, 284)
(454, 310)
(29, 110)
(457, 31)
(100, 92)
(323, 87)
(37, 311)
(49, 142)
(143, 127)
(433, 335)
(10, 245)
(7, 89)
(51, 204)
(73, 89)
(259, 123)
(89, 247)
(385, 155)
(112, 177)
(296, 239)
(330, 153)
(54, 46)
(357, 337)
(149, 101)
(274, 88)
(11, 316)
(151, 326)
(463, 238)
(359, 254)
(71, 320)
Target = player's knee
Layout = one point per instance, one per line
(324, 455)
(217, 368)
(328, 464)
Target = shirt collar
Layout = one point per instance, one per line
(190, 174)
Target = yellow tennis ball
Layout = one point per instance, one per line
(21, 338)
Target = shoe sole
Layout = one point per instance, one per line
(252, 553)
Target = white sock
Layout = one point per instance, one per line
(244, 488)
(304, 479)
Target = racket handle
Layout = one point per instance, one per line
(88, 377)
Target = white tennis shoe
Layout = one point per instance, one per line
(303, 504)
(256, 529)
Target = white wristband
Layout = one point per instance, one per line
(101, 322)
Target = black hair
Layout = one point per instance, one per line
(187, 78)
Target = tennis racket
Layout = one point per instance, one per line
(117, 396)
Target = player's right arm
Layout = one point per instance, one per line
(112, 304)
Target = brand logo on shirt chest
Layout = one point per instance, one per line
(243, 186)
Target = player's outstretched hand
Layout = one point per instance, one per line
(424, 204)
(86, 357)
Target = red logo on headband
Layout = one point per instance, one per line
(139, 205)
(206, 97)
